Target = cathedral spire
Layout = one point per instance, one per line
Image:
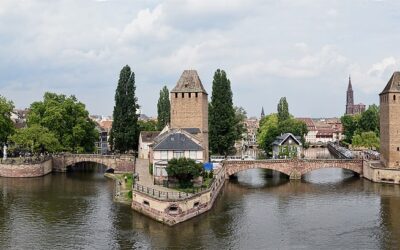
(262, 112)
(350, 87)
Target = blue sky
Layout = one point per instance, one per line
(301, 49)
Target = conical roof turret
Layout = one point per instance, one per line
(393, 85)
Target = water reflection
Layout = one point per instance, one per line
(327, 209)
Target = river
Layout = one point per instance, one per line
(327, 209)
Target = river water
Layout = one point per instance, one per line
(328, 209)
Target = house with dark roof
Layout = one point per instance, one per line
(146, 138)
(287, 146)
(175, 143)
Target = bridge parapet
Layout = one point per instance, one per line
(120, 163)
(294, 168)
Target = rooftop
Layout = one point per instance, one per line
(394, 84)
(189, 82)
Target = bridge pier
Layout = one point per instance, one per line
(295, 175)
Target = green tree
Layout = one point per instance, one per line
(125, 130)
(268, 132)
(369, 120)
(296, 127)
(67, 119)
(366, 139)
(36, 139)
(163, 108)
(240, 118)
(184, 170)
(222, 122)
(149, 125)
(6, 124)
(350, 125)
(283, 110)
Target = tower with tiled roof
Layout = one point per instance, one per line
(189, 105)
(390, 122)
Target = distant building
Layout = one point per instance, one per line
(146, 138)
(252, 125)
(322, 131)
(351, 108)
(18, 116)
(103, 126)
(262, 113)
(287, 146)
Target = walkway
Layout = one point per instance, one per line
(145, 179)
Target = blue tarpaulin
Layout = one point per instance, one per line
(208, 166)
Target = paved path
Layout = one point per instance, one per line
(145, 179)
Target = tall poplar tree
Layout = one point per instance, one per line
(283, 110)
(125, 131)
(222, 122)
(163, 108)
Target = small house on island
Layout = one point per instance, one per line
(175, 143)
(145, 139)
(287, 146)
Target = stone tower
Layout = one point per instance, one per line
(189, 106)
(349, 99)
(390, 123)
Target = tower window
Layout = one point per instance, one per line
(398, 148)
(190, 95)
(394, 97)
(176, 95)
(183, 95)
(197, 95)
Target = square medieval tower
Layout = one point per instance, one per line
(390, 123)
(189, 106)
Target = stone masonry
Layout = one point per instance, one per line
(189, 106)
(390, 123)
(294, 168)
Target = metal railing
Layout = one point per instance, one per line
(165, 195)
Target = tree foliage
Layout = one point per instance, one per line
(163, 108)
(222, 121)
(283, 110)
(6, 124)
(240, 117)
(271, 127)
(125, 130)
(36, 139)
(67, 119)
(149, 125)
(353, 125)
(367, 140)
(184, 170)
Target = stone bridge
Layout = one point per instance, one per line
(294, 168)
(120, 163)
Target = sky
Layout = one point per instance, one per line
(304, 50)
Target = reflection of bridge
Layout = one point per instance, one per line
(120, 163)
(294, 168)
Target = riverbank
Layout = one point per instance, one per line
(123, 187)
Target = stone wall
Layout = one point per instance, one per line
(376, 172)
(173, 211)
(26, 170)
(294, 168)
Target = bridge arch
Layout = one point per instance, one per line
(295, 168)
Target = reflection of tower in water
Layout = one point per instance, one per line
(390, 217)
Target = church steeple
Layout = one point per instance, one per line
(349, 98)
(262, 112)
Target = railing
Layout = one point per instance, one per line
(164, 195)
(98, 156)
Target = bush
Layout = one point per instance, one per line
(184, 170)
